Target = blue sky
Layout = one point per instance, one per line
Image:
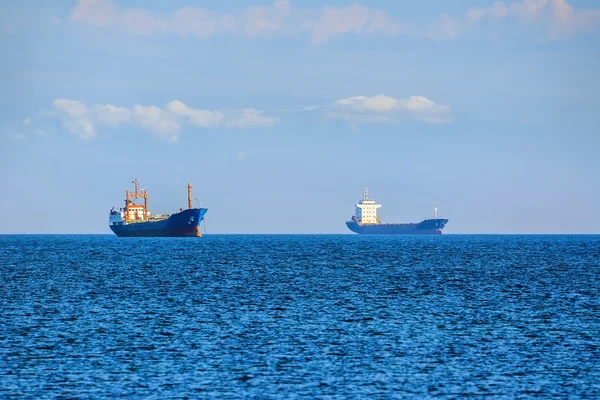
(279, 113)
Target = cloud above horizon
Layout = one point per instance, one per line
(384, 109)
(166, 123)
(278, 18)
(558, 18)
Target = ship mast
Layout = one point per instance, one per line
(189, 196)
(135, 195)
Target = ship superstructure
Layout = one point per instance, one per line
(366, 221)
(366, 210)
(136, 220)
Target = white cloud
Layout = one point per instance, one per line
(241, 155)
(377, 103)
(202, 118)
(559, 17)
(111, 115)
(354, 18)
(95, 12)
(445, 27)
(192, 21)
(310, 108)
(74, 115)
(165, 122)
(27, 121)
(355, 119)
(426, 110)
(80, 120)
(138, 21)
(568, 21)
(251, 117)
(280, 17)
(386, 109)
(158, 121)
(82, 127)
(277, 18)
(526, 9)
(72, 108)
(267, 19)
(19, 136)
(185, 21)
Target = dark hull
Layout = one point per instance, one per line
(425, 227)
(182, 224)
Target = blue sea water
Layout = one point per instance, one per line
(299, 316)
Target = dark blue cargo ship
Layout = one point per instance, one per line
(136, 220)
(365, 221)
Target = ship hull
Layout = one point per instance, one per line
(425, 227)
(183, 224)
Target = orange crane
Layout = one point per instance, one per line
(135, 195)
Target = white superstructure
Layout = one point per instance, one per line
(366, 210)
(115, 217)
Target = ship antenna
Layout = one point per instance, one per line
(366, 194)
(435, 210)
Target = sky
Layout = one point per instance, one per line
(279, 113)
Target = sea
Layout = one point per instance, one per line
(300, 316)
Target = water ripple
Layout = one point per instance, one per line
(300, 316)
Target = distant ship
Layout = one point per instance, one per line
(365, 221)
(136, 220)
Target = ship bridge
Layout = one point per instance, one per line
(366, 209)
